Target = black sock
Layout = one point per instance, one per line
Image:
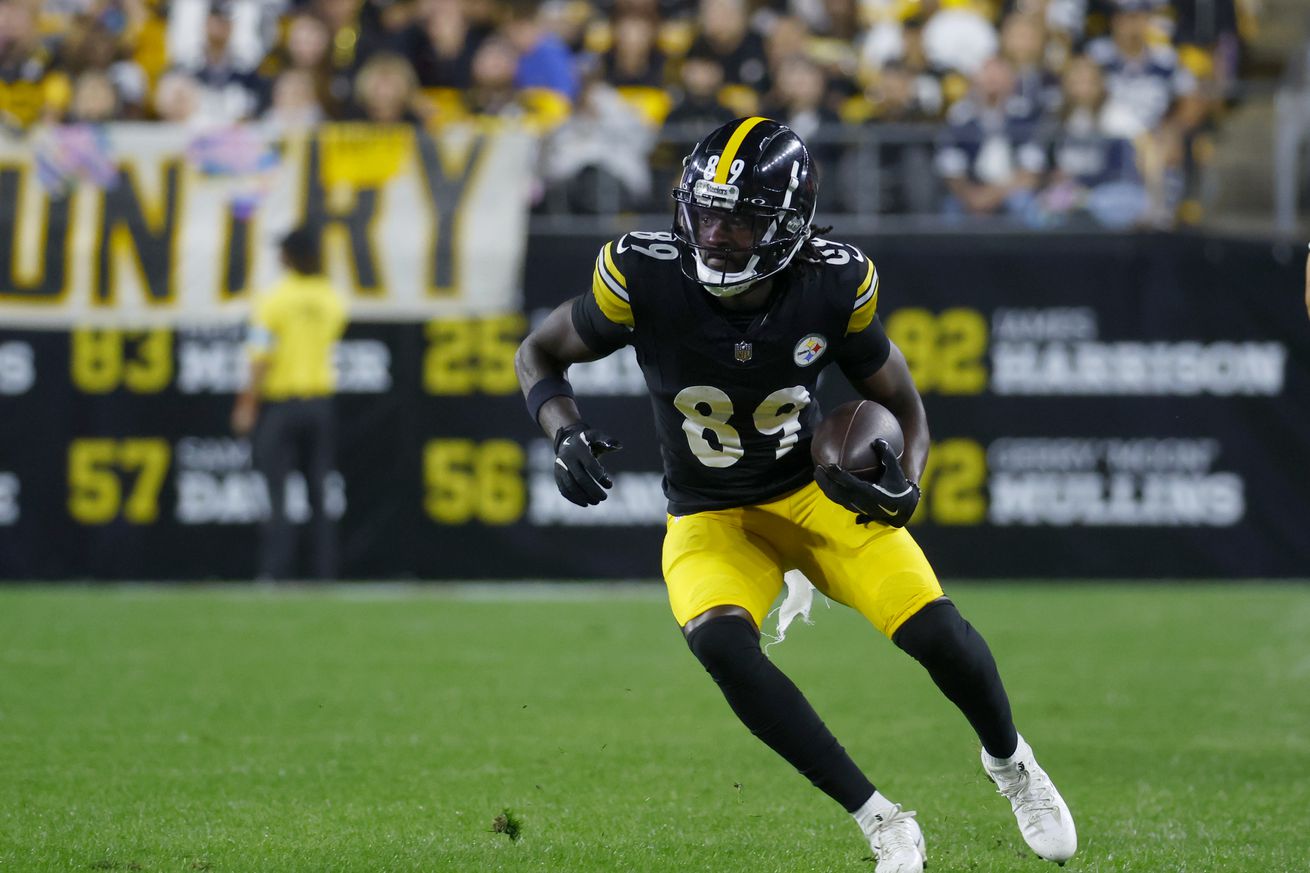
(957, 658)
(774, 709)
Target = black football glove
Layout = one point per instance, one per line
(889, 499)
(578, 473)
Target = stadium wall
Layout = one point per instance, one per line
(1101, 406)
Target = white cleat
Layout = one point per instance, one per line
(1043, 816)
(897, 842)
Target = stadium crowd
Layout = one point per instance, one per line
(1043, 110)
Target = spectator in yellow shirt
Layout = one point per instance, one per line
(288, 403)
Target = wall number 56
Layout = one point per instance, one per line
(468, 481)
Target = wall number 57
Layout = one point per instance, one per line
(97, 469)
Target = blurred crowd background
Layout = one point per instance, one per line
(1047, 112)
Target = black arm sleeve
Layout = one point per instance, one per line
(600, 334)
(862, 354)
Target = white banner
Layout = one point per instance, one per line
(145, 225)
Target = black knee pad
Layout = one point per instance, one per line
(933, 632)
(726, 646)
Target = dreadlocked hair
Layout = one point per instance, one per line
(809, 256)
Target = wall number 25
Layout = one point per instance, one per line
(708, 409)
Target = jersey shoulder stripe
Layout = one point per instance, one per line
(866, 300)
(607, 261)
(610, 288)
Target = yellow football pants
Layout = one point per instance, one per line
(736, 557)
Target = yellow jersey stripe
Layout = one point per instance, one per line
(866, 302)
(862, 294)
(614, 307)
(603, 273)
(862, 317)
(730, 150)
(609, 265)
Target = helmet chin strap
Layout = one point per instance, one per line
(731, 290)
(748, 278)
(707, 275)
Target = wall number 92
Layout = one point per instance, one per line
(944, 350)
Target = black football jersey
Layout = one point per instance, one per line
(734, 393)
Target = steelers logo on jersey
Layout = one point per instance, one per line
(809, 349)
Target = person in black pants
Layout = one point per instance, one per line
(288, 402)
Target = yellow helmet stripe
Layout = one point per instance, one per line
(730, 150)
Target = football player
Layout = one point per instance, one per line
(733, 315)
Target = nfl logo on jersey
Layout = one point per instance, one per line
(809, 349)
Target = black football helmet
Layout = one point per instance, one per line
(744, 204)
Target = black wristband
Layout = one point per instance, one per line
(545, 389)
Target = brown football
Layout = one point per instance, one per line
(846, 434)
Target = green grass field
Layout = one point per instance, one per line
(348, 729)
